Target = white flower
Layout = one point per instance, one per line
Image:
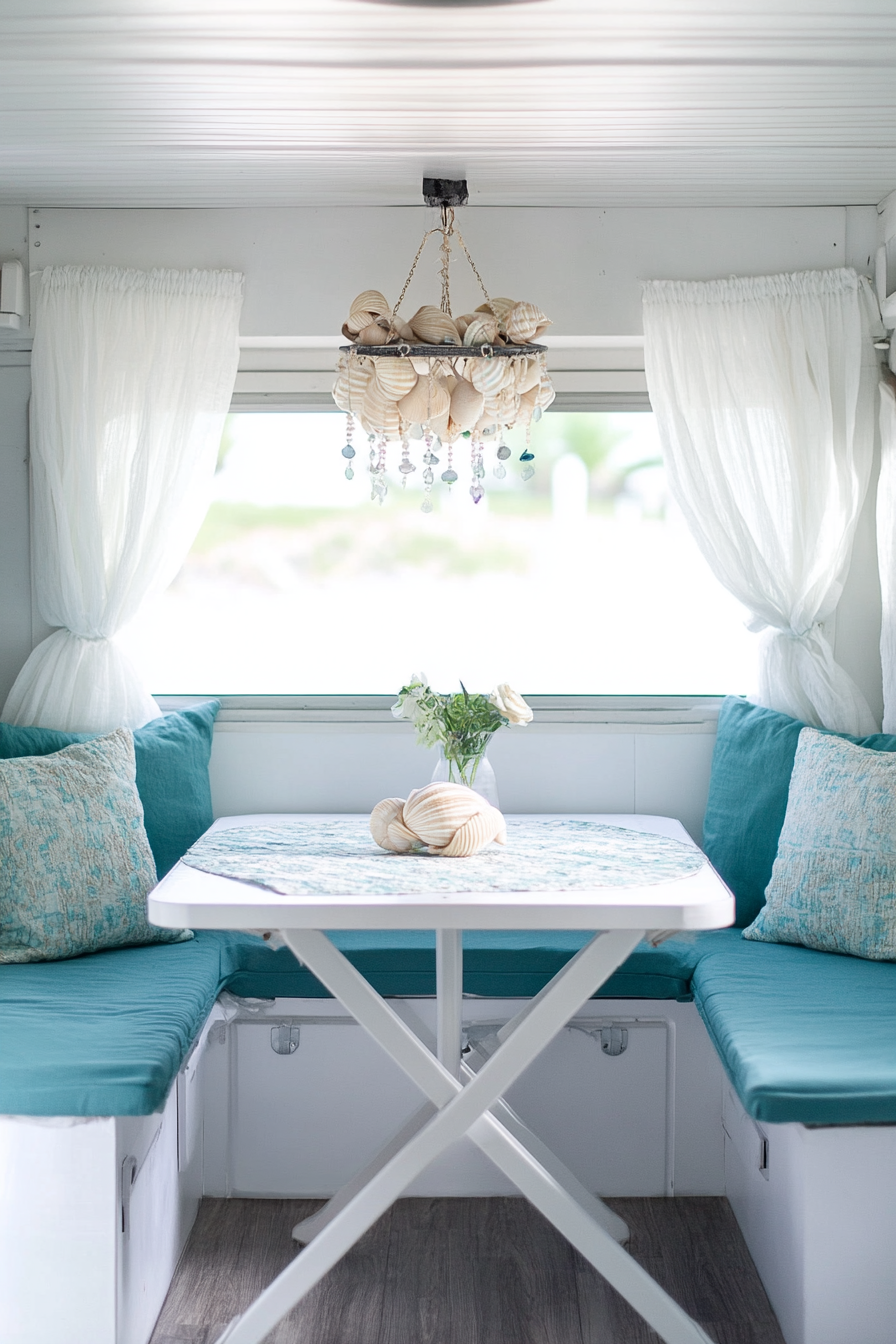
(512, 706)
(407, 706)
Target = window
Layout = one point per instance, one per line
(582, 581)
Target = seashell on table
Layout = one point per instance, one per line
(445, 819)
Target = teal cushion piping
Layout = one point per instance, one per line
(804, 1036)
(751, 768)
(172, 773)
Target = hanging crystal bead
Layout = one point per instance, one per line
(348, 451)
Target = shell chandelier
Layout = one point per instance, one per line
(441, 381)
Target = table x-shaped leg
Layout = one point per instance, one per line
(465, 1108)
(447, 1047)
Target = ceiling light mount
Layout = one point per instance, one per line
(443, 191)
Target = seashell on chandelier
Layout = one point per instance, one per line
(439, 378)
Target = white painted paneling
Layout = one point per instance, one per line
(858, 616)
(606, 1117)
(577, 769)
(58, 1231)
(15, 560)
(563, 102)
(820, 1224)
(584, 267)
(328, 767)
(316, 767)
(160, 1216)
(344, 1099)
(672, 776)
(14, 247)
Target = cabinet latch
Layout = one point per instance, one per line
(284, 1040)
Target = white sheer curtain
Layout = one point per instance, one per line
(763, 390)
(133, 372)
(886, 547)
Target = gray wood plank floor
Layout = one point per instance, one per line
(466, 1271)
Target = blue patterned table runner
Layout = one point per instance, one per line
(338, 857)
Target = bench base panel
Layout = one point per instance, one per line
(817, 1208)
(299, 1125)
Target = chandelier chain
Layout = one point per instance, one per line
(411, 272)
(447, 229)
(460, 239)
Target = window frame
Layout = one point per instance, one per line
(594, 374)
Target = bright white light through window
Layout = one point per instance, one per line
(583, 581)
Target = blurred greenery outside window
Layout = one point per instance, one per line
(581, 581)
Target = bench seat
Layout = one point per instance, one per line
(103, 1034)
(804, 1036)
(106, 1034)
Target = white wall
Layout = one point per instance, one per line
(586, 767)
(302, 267)
(15, 388)
(584, 267)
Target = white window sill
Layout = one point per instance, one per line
(561, 713)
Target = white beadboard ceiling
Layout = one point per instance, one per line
(350, 102)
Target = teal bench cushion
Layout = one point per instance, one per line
(804, 1036)
(103, 1034)
(500, 965)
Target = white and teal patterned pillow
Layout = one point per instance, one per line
(833, 884)
(75, 863)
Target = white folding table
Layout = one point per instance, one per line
(461, 1099)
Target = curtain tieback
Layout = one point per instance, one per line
(87, 639)
(759, 624)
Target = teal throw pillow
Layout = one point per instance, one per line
(751, 768)
(75, 863)
(833, 885)
(172, 755)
